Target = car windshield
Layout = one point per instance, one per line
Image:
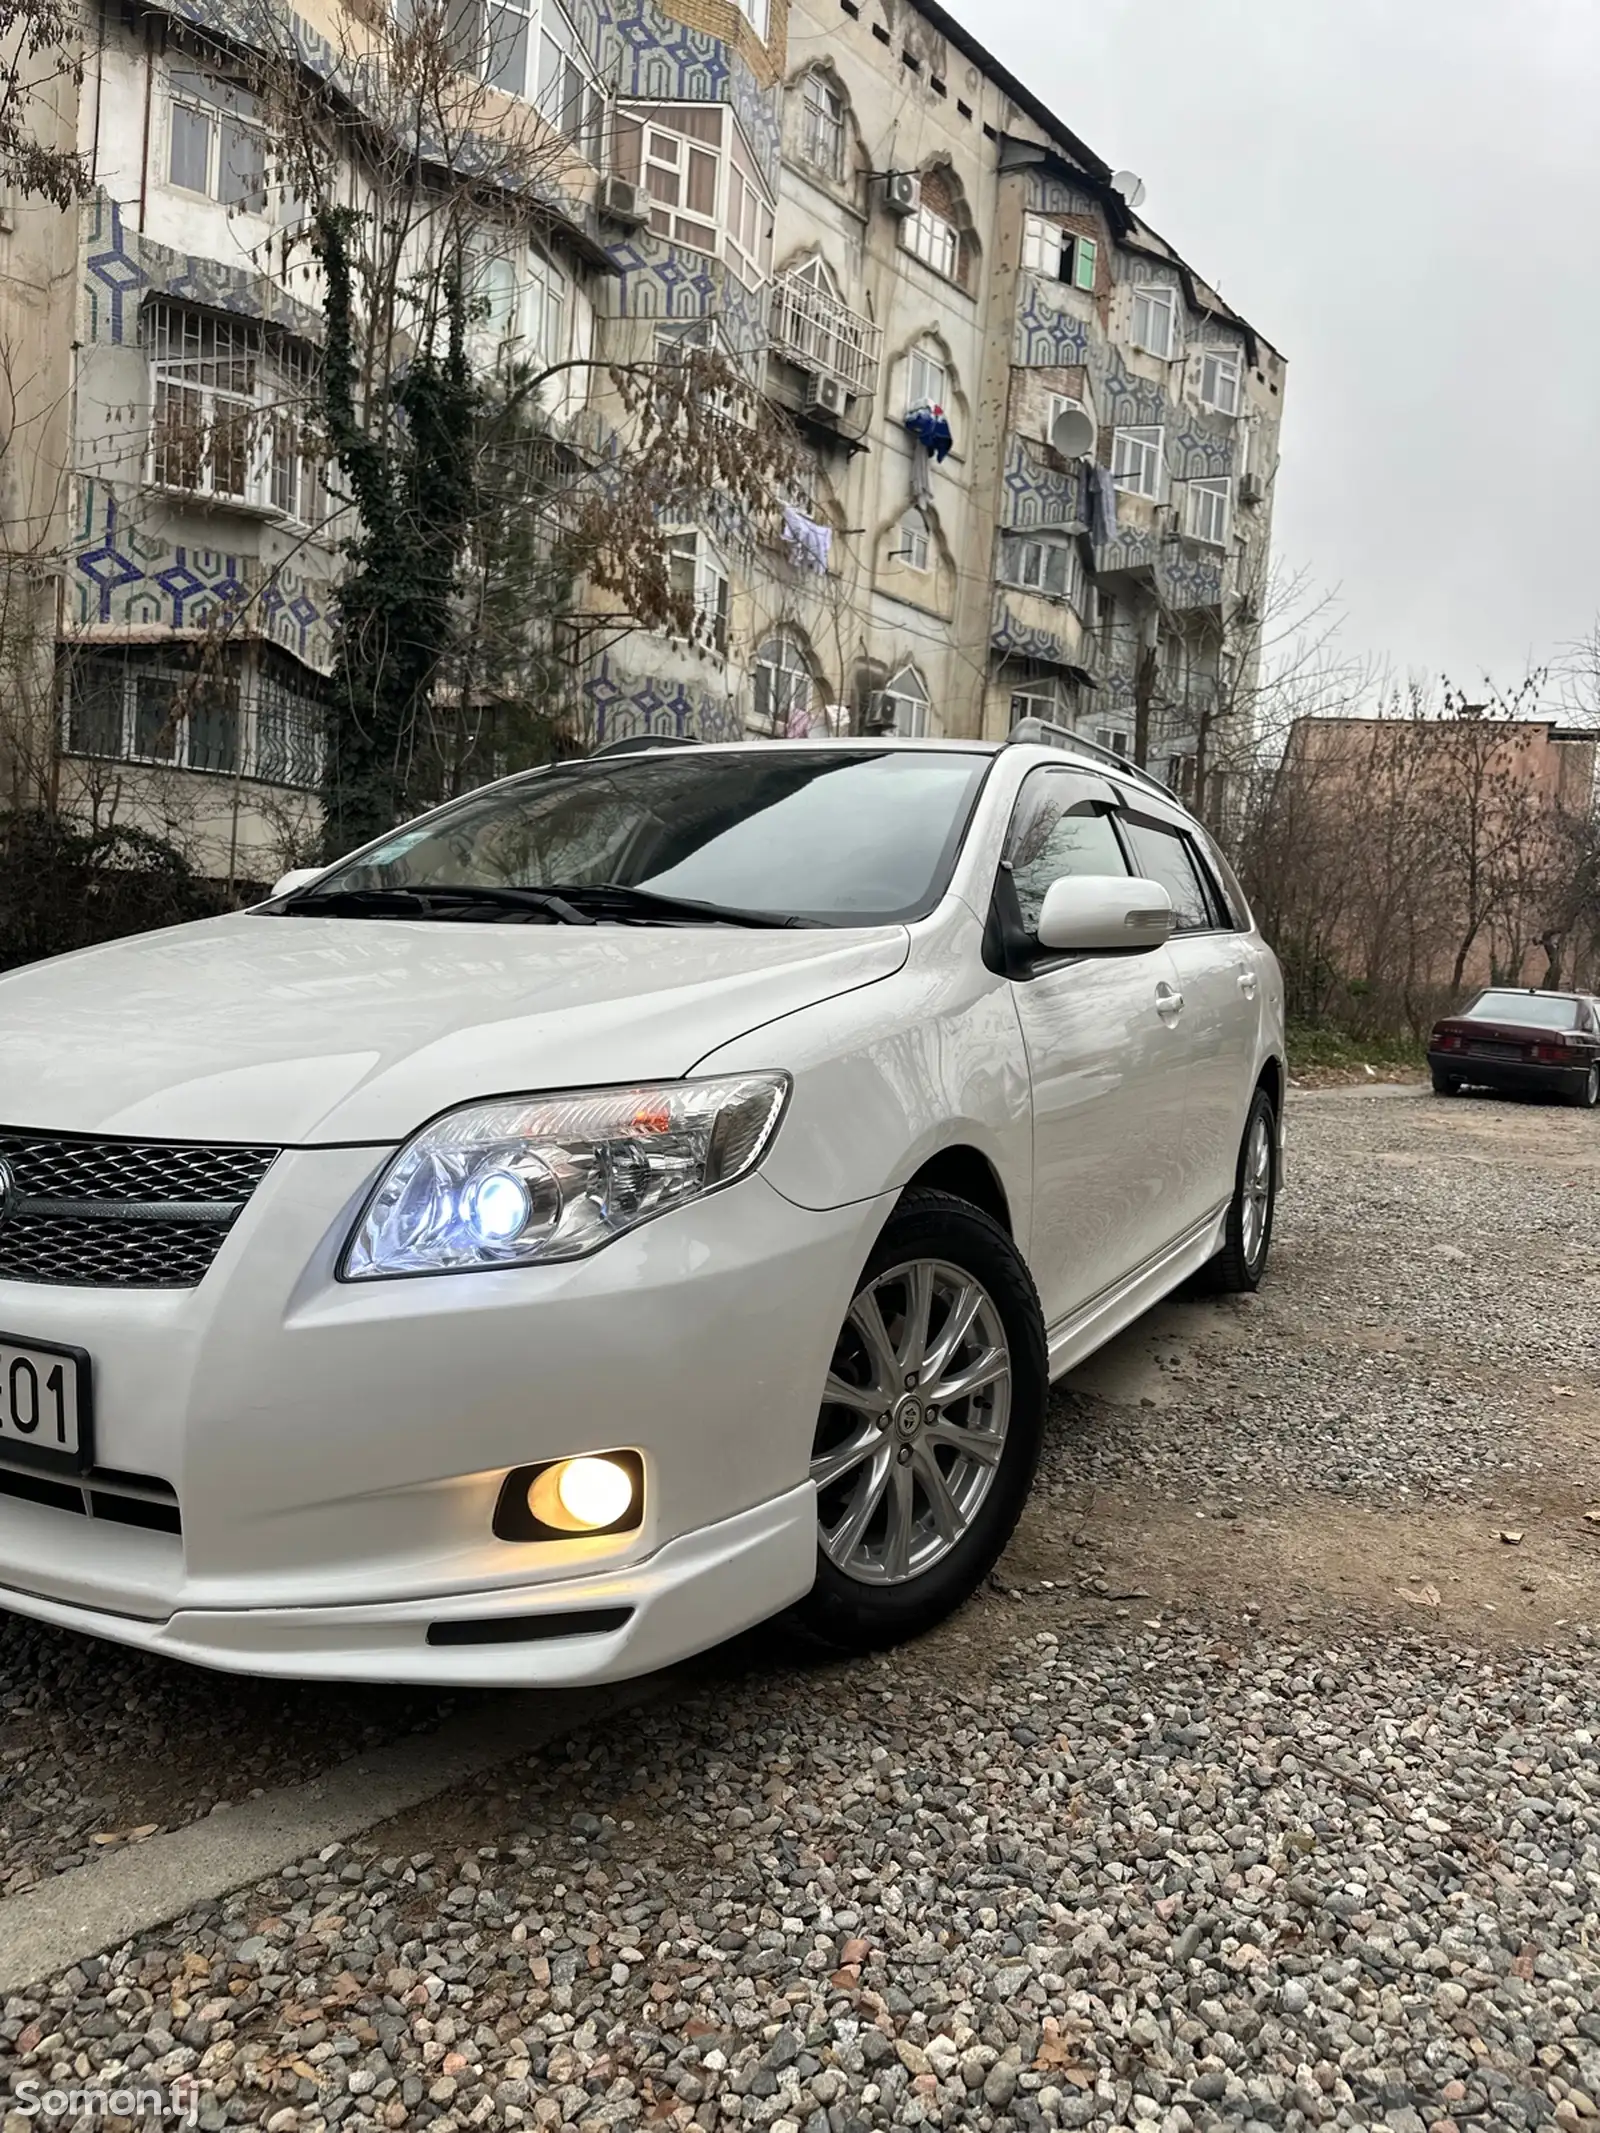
(823, 836)
(1538, 1012)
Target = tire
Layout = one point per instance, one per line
(1238, 1269)
(886, 1568)
(1587, 1095)
(1445, 1084)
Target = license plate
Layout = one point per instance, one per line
(44, 1404)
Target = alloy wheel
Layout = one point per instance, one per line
(913, 1421)
(1256, 1188)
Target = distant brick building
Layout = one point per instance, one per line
(1461, 848)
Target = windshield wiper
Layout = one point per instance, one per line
(626, 901)
(435, 900)
(576, 903)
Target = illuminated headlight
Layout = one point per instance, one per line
(528, 1179)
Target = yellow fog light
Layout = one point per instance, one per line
(582, 1495)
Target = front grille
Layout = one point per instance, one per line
(126, 1499)
(118, 1214)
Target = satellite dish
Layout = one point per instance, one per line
(1129, 185)
(1072, 433)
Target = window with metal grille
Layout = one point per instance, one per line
(230, 418)
(243, 720)
(203, 374)
(139, 709)
(290, 734)
(813, 326)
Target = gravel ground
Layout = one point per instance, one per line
(100, 1745)
(1262, 1790)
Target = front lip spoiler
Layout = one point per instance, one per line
(691, 1593)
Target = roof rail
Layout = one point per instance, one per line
(1052, 735)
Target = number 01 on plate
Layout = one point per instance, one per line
(44, 1405)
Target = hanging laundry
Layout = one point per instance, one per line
(929, 427)
(812, 544)
(1102, 505)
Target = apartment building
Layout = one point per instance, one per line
(1035, 449)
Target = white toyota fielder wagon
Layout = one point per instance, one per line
(646, 1195)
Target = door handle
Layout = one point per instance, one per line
(1247, 983)
(1169, 1004)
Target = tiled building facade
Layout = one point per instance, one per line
(923, 269)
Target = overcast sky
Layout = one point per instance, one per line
(1404, 197)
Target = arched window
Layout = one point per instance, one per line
(815, 273)
(940, 232)
(927, 379)
(822, 110)
(905, 704)
(786, 691)
(915, 547)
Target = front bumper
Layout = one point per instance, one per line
(693, 1593)
(337, 1448)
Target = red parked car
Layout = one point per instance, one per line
(1545, 1043)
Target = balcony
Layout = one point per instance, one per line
(814, 329)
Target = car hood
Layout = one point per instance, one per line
(305, 1030)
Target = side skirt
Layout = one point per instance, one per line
(1105, 1315)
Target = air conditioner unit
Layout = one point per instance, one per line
(623, 201)
(902, 192)
(880, 713)
(1250, 489)
(825, 396)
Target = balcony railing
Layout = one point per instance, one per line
(812, 328)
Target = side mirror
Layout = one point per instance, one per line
(1090, 914)
(297, 878)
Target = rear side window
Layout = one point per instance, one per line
(1165, 855)
(1236, 911)
(1061, 826)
